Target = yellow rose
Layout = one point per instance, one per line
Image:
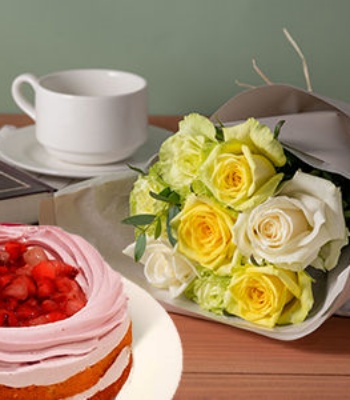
(269, 296)
(237, 177)
(259, 138)
(204, 232)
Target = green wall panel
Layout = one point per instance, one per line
(190, 51)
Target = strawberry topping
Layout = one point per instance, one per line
(35, 289)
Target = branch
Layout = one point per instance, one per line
(302, 57)
(260, 73)
(245, 85)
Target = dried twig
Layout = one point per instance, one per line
(302, 57)
(267, 80)
(260, 73)
(245, 85)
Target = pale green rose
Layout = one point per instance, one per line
(208, 291)
(181, 155)
(195, 124)
(237, 177)
(140, 200)
(269, 296)
(302, 225)
(165, 268)
(259, 139)
(204, 232)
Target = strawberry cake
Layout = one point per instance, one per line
(65, 329)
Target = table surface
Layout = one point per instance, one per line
(221, 362)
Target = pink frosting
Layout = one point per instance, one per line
(78, 335)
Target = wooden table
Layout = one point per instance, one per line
(222, 363)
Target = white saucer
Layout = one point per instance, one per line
(20, 148)
(157, 350)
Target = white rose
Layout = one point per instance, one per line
(303, 225)
(165, 268)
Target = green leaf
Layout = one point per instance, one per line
(174, 198)
(166, 195)
(165, 192)
(138, 170)
(253, 261)
(163, 195)
(172, 212)
(140, 247)
(158, 228)
(159, 196)
(219, 134)
(278, 127)
(140, 219)
(219, 121)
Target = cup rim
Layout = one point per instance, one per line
(140, 87)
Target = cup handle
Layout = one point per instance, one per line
(18, 95)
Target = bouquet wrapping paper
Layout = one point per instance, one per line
(317, 130)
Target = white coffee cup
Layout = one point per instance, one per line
(87, 116)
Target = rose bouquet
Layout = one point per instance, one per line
(229, 219)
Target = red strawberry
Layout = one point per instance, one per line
(33, 302)
(12, 319)
(63, 269)
(34, 255)
(52, 269)
(25, 270)
(21, 287)
(9, 303)
(45, 287)
(4, 257)
(52, 316)
(15, 250)
(55, 316)
(45, 269)
(75, 297)
(8, 318)
(49, 305)
(71, 297)
(5, 280)
(73, 306)
(67, 286)
(3, 269)
(3, 317)
(26, 311)
(35, 290)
